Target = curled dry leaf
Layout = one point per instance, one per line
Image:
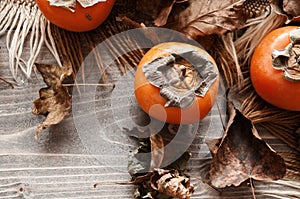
(292, 8)
(163, 16)
(212, 17)
(172, 183)
(149, 10)
(164, 183)
(153, 181)
(165, 12)
(241, 154)
(55, 100)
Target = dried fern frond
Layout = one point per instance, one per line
(68, 46)
(74, 46)
(230, 48)
(255, 30)
(224, 54)
(283, 124)
(232, 52)
(292, 160)
(21, 21)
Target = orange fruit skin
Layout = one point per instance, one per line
(82, 20)
(269, 82)
(150, 100)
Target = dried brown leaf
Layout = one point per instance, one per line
(148, 11)
(163, 16)
(55, 100)
(212, 17)
(292, 8)
(171, 183)
(241, 154)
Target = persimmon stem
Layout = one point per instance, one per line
(183, 70)
(297, 58)
(287, 59)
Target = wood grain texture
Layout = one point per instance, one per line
(64, 163)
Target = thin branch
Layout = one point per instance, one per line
(7, 82)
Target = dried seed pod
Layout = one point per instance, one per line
(254, 8)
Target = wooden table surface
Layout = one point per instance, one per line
(65, 162)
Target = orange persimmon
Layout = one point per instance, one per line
(80, 19)
(149, 96)
(270, 83)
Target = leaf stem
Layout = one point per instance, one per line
(112, 183)
(252, 188)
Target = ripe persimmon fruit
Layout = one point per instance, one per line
(166, 71)
(275, 68)
(79, 19)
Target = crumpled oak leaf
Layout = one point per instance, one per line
(165, 12)
(162, 18)
(172, 183)
(167, 183)
(292, 8)
(146, 170)
(212, 17)
(241, 154)
(55, 100)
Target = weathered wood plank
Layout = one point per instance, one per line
(62, 165)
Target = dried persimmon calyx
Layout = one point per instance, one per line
(69, 4)
(288, 59)
(181, 76)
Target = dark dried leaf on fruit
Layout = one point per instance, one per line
(203, 18)
(71, 4)
(292, 8)
(55, 100)
(241, 154)
(181, 76)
